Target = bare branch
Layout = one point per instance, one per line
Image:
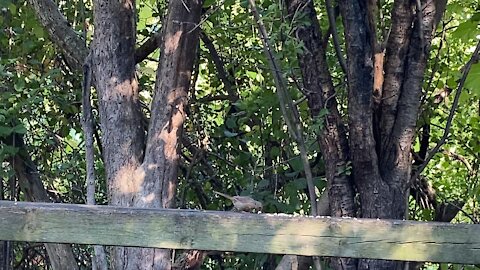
(149, 46)
(448, 125)
(336, 43)
(420, 24)
(462, 159)
(220, 66)
(289, 111)
(99, 261)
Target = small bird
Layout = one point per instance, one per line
(242, 203)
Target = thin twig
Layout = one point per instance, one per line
(462, 159)
(336, 43)
(99, 261)
(207, 15)
(220, 66)
(289, 110)
(88, 132)
(442, 141)
(473, 219)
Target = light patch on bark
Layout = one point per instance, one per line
(148, 199)
(125, 88)
(129, 179)
(378, 78)
(128, 4)
(170, 131)
(169, 137)
(172, 41)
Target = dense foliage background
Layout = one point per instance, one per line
(235, 139)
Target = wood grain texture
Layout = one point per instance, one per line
(262, 233)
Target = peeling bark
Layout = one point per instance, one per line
(373, 192)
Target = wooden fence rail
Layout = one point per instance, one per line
(242, 232)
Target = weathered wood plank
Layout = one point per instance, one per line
(211, 230)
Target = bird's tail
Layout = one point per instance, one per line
(223, 195)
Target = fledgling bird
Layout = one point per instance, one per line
(242, 203)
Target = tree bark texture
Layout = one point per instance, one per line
(137, 174)
(382, 172)
(142, 170)
(380, 160)
(136, 178)
(321, 94)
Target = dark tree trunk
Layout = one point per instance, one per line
(378, 149)
(332, 138)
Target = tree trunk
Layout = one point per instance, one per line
(382, 172)
(378, 149)
(60, 255)
(320, 93)
(137, 174)
(135, 178)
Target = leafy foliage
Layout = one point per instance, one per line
(235, 139)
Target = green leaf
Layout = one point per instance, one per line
(208, 3)
(13, 9)
(252, 75)
(296, 164)
(7, 150)
(473, 79)
(38, 31)
(20, 129)
(263, 183)
(5, 131)
(275, 152)
(466, 30)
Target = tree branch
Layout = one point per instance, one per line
(320, 93)
(289, 111)
(61, 255)
(72, 45)
(448, 125)
(336, 42)
(148, 47)
(360, 98)
(394, 68)
(99, 261)
(220, 66)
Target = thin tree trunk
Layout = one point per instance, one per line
(61, 255)
(99, 260)
(178, 52)
(321, 95)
